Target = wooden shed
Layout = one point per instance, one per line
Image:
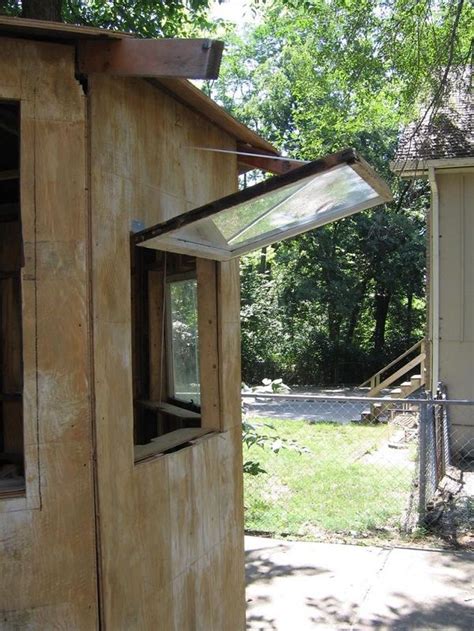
(120, 427)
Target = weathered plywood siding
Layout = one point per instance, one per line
(171, 533)
(47, 548)
(456, 264)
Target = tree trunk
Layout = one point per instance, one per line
(42, 10)
(382, 303)
(262, 268)
(409, 321)
(355, 313)
(334, 329)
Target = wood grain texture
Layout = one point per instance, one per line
(43, 28)
(206, 272)
(264, 162)
(229, 342)
(171, 527)
(185, 58)
(156, 335)
(194, 98)
(47, 541)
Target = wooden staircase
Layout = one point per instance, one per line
(384, 380)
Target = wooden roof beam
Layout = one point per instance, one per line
(179, 58)
(272, 164)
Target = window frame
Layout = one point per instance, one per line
(209, 411)
(12, 318)
(194, 233)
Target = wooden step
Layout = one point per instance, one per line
(376, 413)
(396, 393)
(382, 414)
(415, 381)
(406, 388)
(376, 410)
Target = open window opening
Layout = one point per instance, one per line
(312, 195)
(168, 401)
(166, 351)
(12, 465)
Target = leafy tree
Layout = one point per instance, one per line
(147, 18)
(313, 76)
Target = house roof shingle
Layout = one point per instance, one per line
(445, 133)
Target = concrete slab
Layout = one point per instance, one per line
(298, 586)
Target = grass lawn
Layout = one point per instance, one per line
(350, 482)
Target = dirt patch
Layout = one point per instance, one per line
(388, 455)
(450, 515)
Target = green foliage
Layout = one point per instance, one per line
(314, 312)
(314, 76)
(265, 436)
(146, 18)
(372, 59)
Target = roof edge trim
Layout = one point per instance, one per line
(419, 168)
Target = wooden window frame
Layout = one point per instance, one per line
(11, 317)
(30, 498)
(206, 273)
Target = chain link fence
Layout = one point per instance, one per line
(318, 465)
(446, 468)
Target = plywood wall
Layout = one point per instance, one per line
(171, 532)
(47, 546)
(456, 283)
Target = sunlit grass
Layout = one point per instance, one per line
(348, 482)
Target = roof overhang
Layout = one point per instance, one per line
(142, 58)
(191, 96)
(91, 40)
(54, 31)
(420, 168)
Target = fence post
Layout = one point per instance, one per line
(422, 461)
(447, 437)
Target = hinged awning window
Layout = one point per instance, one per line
(286, 205)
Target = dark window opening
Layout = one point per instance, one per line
(165, 350)
(12, 466)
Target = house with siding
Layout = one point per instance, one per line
(439, 147)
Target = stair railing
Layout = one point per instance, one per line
(376, 383)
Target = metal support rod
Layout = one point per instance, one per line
(321, 398)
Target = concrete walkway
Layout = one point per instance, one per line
(297, 586)
(316, 410)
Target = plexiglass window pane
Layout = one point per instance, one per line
(315, 194)
(231, 223)
(184, 341)
(329, 193)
